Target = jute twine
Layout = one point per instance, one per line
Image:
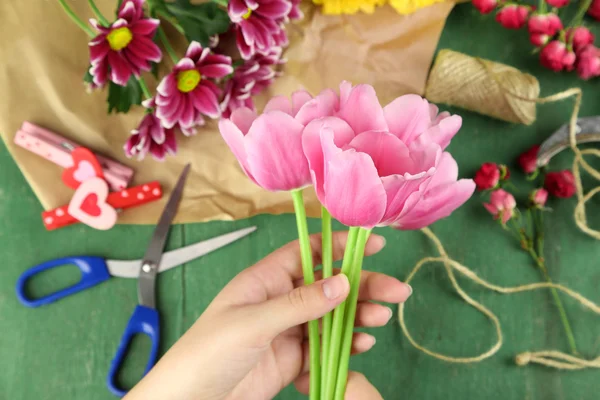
(549, 358)
(460, 80)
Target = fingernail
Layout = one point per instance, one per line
(373, 340)
(335, 286)
(390, 314)
(410, 289)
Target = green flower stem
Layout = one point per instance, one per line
(76, 19)
(583, 7)
(173, 21)
(327, 272)
(167, 44)
(98, 14)
(222, 3)
(337, 325)
(144, 87)
(537, 255)
(359, 253)
(309, 278)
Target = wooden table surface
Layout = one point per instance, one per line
(63, 351)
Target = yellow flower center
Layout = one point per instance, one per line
(119, 38)
(188, 80)
(248, 14)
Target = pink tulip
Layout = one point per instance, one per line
(373, 166)
(502, 205)
(269, 147)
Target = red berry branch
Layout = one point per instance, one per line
(561, 48)
(527, 226)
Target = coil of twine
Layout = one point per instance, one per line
(482, 86)
(514, 94)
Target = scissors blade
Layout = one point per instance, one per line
(151, 260)
(175, 258)
(587, 131)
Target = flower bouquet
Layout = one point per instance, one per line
(370, 166)
(205, 83)
(562, 46)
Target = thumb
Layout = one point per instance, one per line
(303, 304)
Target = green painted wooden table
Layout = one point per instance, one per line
(63, 351)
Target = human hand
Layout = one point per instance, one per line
(251, 341)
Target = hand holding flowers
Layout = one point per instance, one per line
(370, 166)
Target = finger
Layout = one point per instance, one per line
(368, 315)
(361, 343)
(303, 304)
(376, 286)
(359, 388)
(288, 256)
(371, 315)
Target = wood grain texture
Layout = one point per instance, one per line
(64, 350)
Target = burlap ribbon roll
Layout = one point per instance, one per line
(483, 86)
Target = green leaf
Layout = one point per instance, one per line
(122, 98)
(200, 21)
(88, 78)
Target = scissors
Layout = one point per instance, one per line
(587, 130)
(94, 270)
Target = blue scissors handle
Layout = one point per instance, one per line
(93, 271)
(144, 320)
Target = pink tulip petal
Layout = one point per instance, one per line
(362, 110)
(433, 111)
(325, 104)
(243, 118)
(236, 142)
(279, 103)
(403, 194)
(388, 153)
(407, 117)
(442, 133)
(446, 170)
(340, 134)
(299, 98)
(354, 194)
(437, 203)
(275, 156)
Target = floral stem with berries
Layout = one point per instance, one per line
(76, 19)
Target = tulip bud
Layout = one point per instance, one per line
(579, 37)
(554, 55)
(588, 62)
(557, 3)
(594, 10)
(513, 16)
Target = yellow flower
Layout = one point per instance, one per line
(410, 6)
(337, 7)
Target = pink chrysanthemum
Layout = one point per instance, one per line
(259, 24)
(249, 79)
(189, 91)
(151, 137)
(125, 47)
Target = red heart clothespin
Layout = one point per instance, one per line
(85, 167)
(89, 205)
